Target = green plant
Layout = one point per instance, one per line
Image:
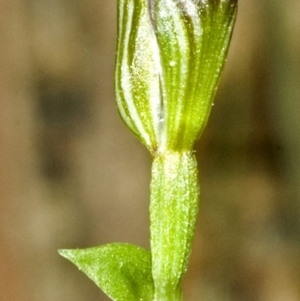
(169, 59)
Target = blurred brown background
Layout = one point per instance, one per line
(71, 174)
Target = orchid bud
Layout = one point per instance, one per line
(170, 57)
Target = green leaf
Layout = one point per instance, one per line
(122, 271)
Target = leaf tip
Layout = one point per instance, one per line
(67, 253)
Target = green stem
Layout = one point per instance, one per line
(173, 213)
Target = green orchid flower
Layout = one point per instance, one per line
(170, 55)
